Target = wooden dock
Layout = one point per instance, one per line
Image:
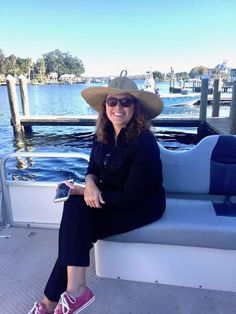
(82, 120)
(214, 125)
(90, 120)
(224, 100)
(219, 125)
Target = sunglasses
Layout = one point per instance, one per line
(124, 102)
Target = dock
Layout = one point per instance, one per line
(224, 99)
(81, 120)
(90, 120)
(213, 125)
(219, 125)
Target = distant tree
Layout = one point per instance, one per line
(198, 71)
(20, 66)
(62, 63)
(158, 76)
(182, 75)
(30, 66)
(2, 62)
(74, 65)
(52, 61)
(40, 69)
(23, 66)
(168, 75)
(11, 66)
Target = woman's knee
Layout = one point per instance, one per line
(74, 202)
(73, 206)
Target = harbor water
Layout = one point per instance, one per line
(66, 100)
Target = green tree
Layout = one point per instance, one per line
(158, 76)
(52, 61)
(182, 75)
(73, 65)
(62, 63)
(198, 71)
(30, 65)
(23, 66)
(40, 69)
(11, 66)
(2, 62)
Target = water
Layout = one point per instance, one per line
(67, 100)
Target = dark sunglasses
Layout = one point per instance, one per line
(124, 102)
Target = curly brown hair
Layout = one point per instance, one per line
(105, 130)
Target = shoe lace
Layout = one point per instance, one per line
(35, 309)
(64, 304)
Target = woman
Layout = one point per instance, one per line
(123, 189)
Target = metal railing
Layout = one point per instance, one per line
(5, 200)
(3, 218)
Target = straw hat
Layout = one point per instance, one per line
(150, 103)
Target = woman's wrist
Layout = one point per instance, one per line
(91, 180)
(77, 190)
(81, 190)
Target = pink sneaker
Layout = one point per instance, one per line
(70, 305)
(38, 308)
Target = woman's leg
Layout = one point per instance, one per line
(111, 221)
(49, 305)
(75, 239)
(80, 226)
(57, 282)
(75, 243)
(70, 278)
(76, 282)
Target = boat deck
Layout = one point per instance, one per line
(28, 255)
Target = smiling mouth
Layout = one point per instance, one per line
(118, 114)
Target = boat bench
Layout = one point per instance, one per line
(194, 242)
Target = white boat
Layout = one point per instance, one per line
(184, 98)
(149, 84)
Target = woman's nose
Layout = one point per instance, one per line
(119, 105)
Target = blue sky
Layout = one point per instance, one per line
(112, 35)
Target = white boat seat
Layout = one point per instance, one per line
(194, 242)
(208, 168)
(186, 222)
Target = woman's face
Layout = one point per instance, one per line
(119, 113)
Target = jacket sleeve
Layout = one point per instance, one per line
(92, 166)
(145, 166)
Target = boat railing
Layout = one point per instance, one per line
(21, 198)
(3, 220)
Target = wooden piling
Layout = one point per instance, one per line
(12, 96)
(203, 106)
(171, 79)
(24, 95)
(24, 100)
(204, 98)
(216, 98)
(232, 115)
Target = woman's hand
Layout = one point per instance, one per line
(75, 189)
(92, 194)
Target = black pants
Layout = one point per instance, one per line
(80, 227)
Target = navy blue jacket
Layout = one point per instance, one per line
(129, 173)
